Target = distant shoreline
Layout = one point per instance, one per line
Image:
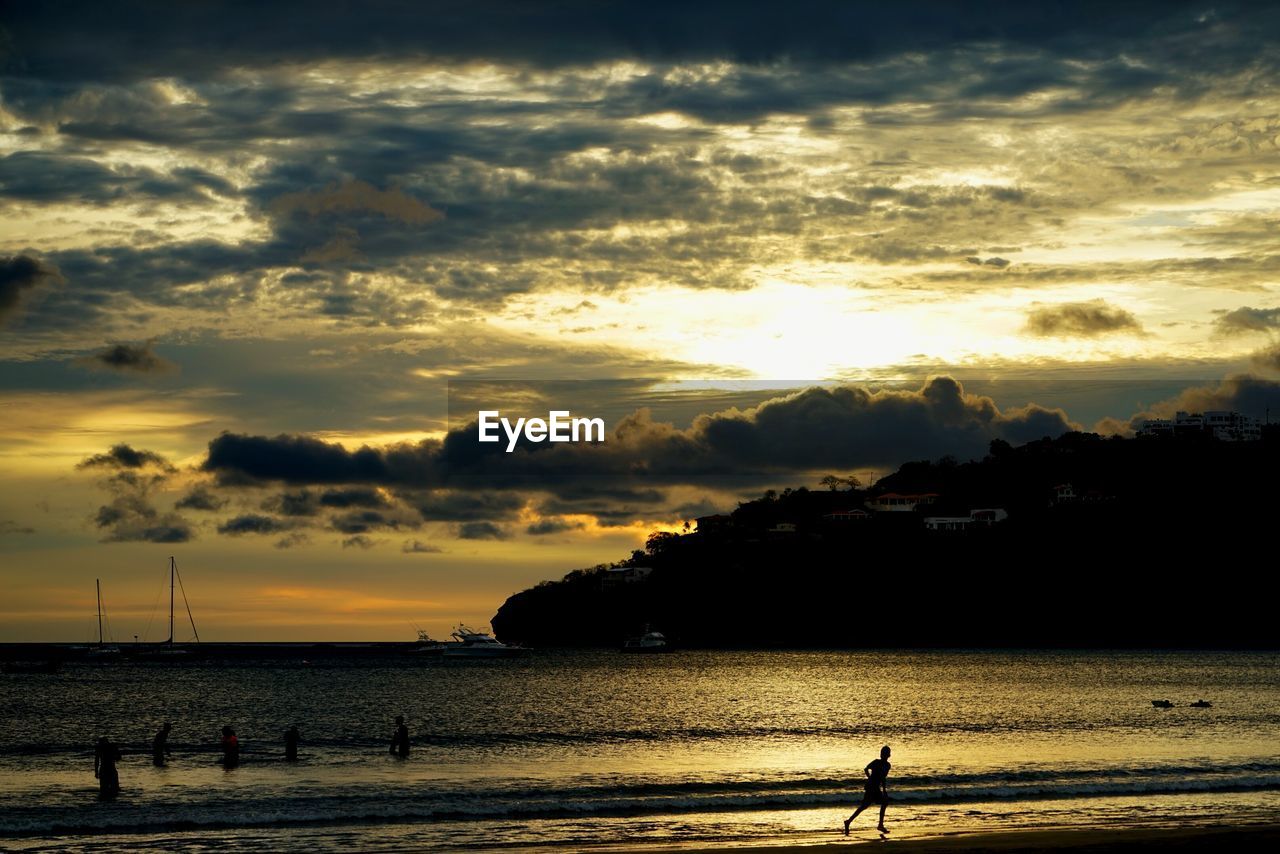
(71, 651)
(1094, 840)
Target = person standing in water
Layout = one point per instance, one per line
(876, 791)
(400, 740)
(230, 748)
(105, 757)
(291, 744)
(160, 745)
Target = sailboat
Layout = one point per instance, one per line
(102, 651)
(166, 650)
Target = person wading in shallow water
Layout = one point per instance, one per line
(160, 745)
(105, 757)
(877, 772)
(230, 748)
(400, 741)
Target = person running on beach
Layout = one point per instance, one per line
(291, 744)
(877, 772)
(160, 745)
(400, 741)
(230, 748)
(105, 757)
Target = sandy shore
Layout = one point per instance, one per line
(1098, 841)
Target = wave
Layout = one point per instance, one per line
(379, 805)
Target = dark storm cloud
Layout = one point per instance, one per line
(1268, 357)
(79, 40)
(462, 506)
(295, 459)
(130, 358)
(480, 531)
(419, 547)
(40, 177)
(364, 521)
(1245, 393)
(354, 498)
(130, 515)
(20, 275)
(131, 518)
(200, 498)
(253, 523)
(304, 502)
(1081, 320)
(123, 456)
(1248, 319)
(1251, 395)
(545, 527)
(812, 429)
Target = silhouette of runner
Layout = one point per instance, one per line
(400, 741)
(105, 757)
(160, 745)
(877, 772)
(230, 748)
(291, 744)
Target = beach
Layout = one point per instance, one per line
(1100, 841)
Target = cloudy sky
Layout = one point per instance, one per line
(260, 266)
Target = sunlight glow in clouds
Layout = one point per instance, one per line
(316, 233)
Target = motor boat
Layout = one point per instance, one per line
(1162, 704)
(426, 645)
(650, 641)
(1202, 704)
(469, 643)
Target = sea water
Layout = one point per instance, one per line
(596, 748)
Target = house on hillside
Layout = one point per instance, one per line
(843, 516)
(1221, 424)
(618, 575)
(947, 523)
(983, 517)
(713, 524)
(897, 502)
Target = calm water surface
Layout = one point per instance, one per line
(583, 749)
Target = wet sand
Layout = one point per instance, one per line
(1096, 841)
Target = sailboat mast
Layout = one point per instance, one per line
(172, 570)
(97, 583)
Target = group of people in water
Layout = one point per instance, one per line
(106, 753)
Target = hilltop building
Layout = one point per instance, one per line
(1223, 425)
(896, 502)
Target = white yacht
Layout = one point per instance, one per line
(472, 644)
(650, 641)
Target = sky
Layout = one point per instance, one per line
(261, 266)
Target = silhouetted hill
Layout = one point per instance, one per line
(1157, 543)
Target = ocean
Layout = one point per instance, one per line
(586, 749)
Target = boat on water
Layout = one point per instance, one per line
(101, 651)
(426, 645)
(650, 641)
(1162, 704)
(167, 650)
(469, 643)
